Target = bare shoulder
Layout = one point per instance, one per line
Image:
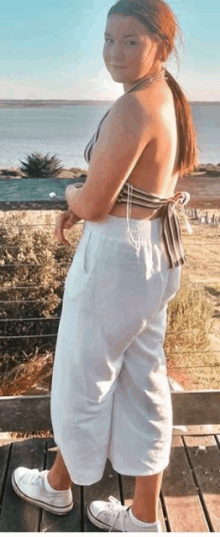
(130, 110)
(157, 102)
(140, 113)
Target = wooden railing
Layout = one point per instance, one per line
(32, 413)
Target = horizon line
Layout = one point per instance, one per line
(83, 100)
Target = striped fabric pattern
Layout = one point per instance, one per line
(171, 228)
(89, 148)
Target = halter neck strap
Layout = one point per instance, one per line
(148, 81)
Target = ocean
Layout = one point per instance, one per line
(65, 130)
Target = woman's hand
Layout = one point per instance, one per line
(75, 200)
(65, 220)
(72, 188)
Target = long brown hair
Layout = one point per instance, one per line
(160, 21)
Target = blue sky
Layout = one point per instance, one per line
(54, 52)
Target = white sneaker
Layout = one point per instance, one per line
(114, 516)
(30, 485)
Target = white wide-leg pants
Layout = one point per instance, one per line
(110, 394)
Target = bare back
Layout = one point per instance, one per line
(154, 170)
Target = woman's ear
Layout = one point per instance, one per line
(162, 51)
(165, 51)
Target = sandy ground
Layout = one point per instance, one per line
(66, 173)
(204, 191)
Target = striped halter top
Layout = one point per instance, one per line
(171, 233)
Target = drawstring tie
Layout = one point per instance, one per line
(181, 199)
(170, 223)
(134, 243)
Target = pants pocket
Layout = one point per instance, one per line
(82, 266)
(173, 284)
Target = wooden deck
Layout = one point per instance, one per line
(189, 500)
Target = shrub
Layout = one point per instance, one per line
(33, 268)
(38, 165)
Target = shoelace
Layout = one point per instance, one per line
(113, 505)
(35, 477)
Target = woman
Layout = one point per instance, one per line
(110, 393)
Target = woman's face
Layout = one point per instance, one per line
(129, 52)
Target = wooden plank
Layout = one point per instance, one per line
(25, 413)
(196, 408)
(204, 457)
(4, 456)
(182, 502)
(195, 430)
(128, 485)
(18, 515)
(30, 412)
(65, 523)
(107, 486)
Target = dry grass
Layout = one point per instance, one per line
(193, 316)
(33, 261)
(203, 253)
(189, 345)
(29, 378)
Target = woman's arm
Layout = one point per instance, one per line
(124, 135)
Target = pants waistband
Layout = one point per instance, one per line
(115, 226)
